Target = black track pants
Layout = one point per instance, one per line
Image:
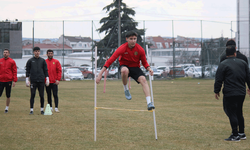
(233, 108)
(40, 87)
(54, 88)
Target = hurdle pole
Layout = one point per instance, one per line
(152, 97)
(95, 94)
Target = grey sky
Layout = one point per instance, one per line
(152, 11)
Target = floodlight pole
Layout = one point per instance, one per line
(33, 36)
(152, 97)
(95, 94)
(63, 51)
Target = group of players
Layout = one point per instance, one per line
(232, 71)
(38, 73)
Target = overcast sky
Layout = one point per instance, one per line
(216, 15)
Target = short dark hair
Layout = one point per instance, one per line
(231, 42)
(131, 33)
(36, 48)
(230, 50)
(6, 49)
(49, 50)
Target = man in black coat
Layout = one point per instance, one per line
(233, 73)
(36, 71)
(239, 55)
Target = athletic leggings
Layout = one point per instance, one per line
(54, 88)
(33, 87)
(7, 86)
(233, 108)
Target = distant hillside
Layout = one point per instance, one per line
(41, 39)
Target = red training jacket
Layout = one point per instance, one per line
(54, 70)
(129, 57)
(8, 70)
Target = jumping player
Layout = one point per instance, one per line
(8, 73)
(131, 54)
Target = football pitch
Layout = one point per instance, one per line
(188, 117)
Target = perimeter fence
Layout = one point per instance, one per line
(172, 43)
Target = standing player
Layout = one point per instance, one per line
(55, 74)
(8, 73)
(234, 74)
(239, 55)
(36, 70)
(131, 54)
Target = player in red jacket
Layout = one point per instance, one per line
(8, 73)
(131, 54)
(55, 74)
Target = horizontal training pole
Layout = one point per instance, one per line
(122, 109)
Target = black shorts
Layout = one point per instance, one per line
(134, 72)
(7, 86)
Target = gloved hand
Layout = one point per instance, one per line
(47, 81)
(27, 82)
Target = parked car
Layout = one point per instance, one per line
(21, 74)
(165, 74)
(178, 71)
(113, 72)
(211, 70)
(157, 73)
(185, 70)
(186, 65)
(87, 72)
(73, 74)
(162, 68)
(196, 72)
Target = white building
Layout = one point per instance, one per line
(78, 43)
(243, 26)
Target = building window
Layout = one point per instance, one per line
(80, 44)
(159, 45)
(164, 53)
(167, 46)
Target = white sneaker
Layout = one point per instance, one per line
(51, 109)
(56, 110)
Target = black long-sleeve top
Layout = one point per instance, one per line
(234, 74)
(36, 69)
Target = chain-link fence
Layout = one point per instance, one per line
(173, 44)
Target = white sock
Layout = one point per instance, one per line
(7, 108)
(148, 98)
(125, 87)
(31, 109)
(41, 109)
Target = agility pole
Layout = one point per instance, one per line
(95, 93)
(152, 97)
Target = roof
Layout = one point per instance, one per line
(78, 39)
(47, 46)
(158, 39)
